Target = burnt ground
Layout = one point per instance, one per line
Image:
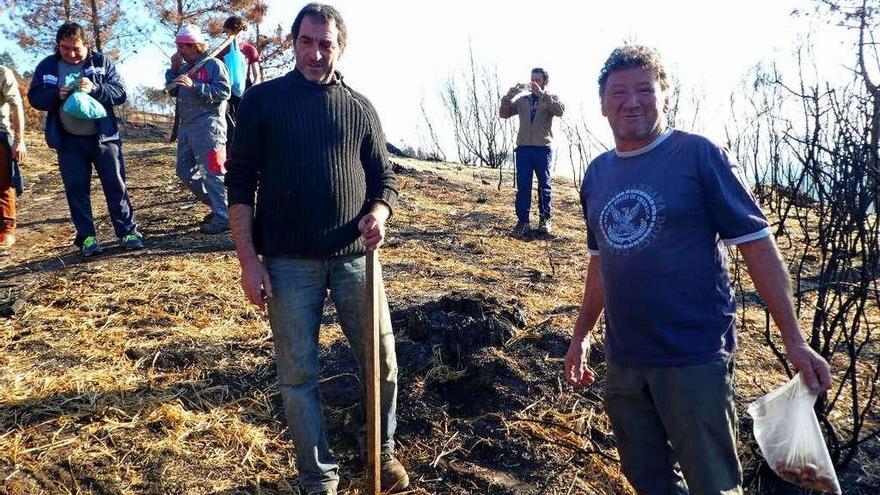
(465, 377)
(147, 372)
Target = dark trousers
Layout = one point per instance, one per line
(675, 428)
(76, 157)
(532, 160)
(231, 109)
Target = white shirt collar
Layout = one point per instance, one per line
(641, 151)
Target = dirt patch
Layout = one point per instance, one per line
(473, 368)
(181, 355)
(11, 299)
(462, 323)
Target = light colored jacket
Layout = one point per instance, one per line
(9, 97)
(202, 108)
(540, 131)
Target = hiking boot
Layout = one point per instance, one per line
(393, 474)
(90, 246)
(213, 228)
(545, 226)
(521, 229)
(132, 241)
(6, 242)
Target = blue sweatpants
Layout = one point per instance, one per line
(76, 157)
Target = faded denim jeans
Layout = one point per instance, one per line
(300, 287)
(533, 160)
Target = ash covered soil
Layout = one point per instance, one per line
(147, 371)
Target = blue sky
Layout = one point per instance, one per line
(400, 51)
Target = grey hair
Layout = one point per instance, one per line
(629, 56)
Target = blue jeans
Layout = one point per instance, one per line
(533, 160)
(300, 287)
(76, 157)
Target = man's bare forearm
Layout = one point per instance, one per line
(256, 73)
(593, 302)
(241, 222)
(771, 278)
(18, 123)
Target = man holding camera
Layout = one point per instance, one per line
(536, 110)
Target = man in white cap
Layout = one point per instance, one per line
(201, 140)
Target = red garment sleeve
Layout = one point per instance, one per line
(250, 53)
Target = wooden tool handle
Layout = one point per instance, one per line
(371, 373)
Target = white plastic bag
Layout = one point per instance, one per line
(788, 434)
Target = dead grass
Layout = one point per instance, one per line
(148, 373)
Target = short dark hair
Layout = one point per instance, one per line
(70, 30)
(629, 56)
(539, 70)
(324, 13)
(234, 23)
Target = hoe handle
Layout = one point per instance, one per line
(371, 372)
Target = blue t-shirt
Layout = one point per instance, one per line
(659, 219)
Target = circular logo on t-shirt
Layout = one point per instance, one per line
(631, 219)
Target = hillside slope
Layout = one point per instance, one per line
(147, 371)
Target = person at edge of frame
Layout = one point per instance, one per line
(661, 209)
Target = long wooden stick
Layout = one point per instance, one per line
(371, 373)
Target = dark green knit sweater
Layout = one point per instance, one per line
(314, 156)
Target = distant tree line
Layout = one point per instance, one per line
(121, 28)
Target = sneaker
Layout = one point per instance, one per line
(90, 246)
(394, 476)
(213, 228)
(132, 241)
(521, 229)
(6, 242)
(545, 226)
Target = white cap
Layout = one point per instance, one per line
(189, 33)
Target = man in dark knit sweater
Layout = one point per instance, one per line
(312, 151)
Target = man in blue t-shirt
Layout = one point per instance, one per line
(661, 209)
